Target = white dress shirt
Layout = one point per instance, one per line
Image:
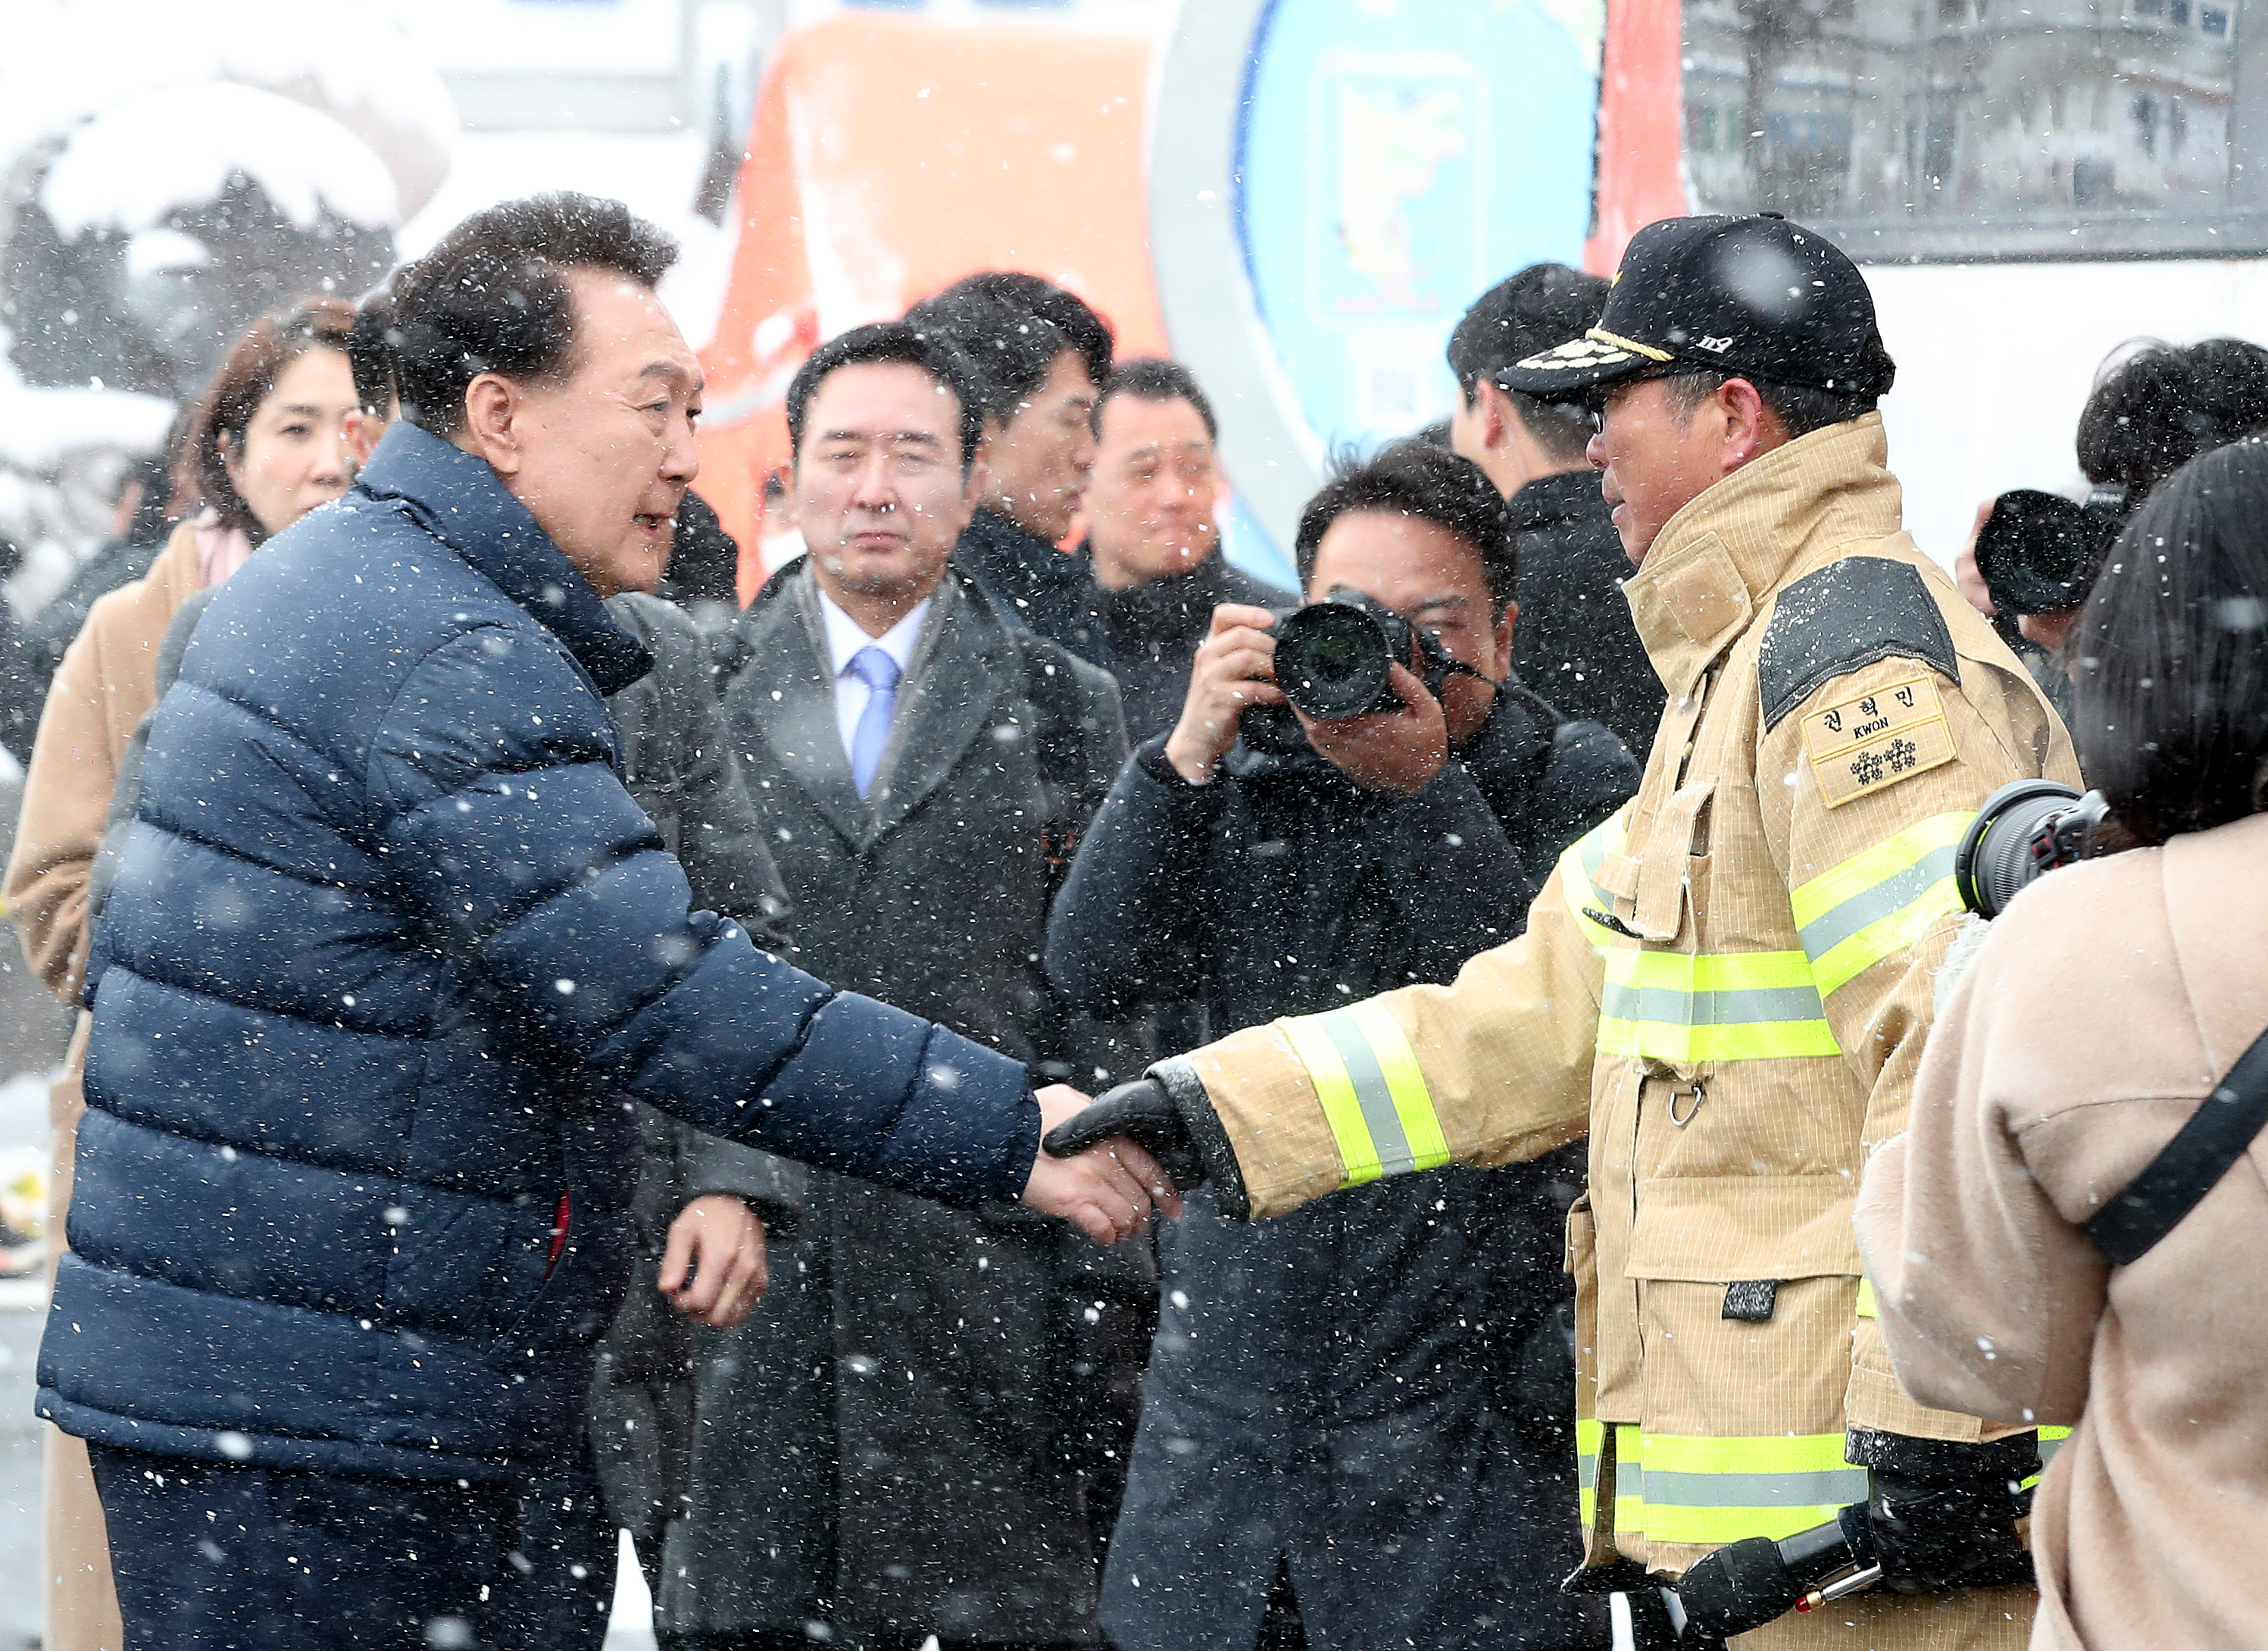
(844, 639)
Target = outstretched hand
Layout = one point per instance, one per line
(1109, 1191)
(713, 1267)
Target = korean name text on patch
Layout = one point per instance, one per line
(1871, 741)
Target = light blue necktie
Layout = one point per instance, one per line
(880, 672)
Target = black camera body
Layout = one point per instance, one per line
(1332, 657)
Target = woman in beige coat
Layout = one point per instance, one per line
(268, 444)
(2099, 1014)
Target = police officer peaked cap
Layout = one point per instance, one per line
(1757, 298)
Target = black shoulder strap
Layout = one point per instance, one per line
(2192, 1163)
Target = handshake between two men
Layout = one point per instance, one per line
(1106, 1165)
(1102, 1176)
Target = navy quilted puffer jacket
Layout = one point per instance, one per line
(389, 951)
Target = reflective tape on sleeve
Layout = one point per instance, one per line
(1712, 1491)
(2051, 1439)
(1879, 902)
(1579, 866)
(1866, 1299)
(1683, 1007)
(1589, 1437)
(1373, 1093)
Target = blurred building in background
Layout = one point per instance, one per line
(1297, 199)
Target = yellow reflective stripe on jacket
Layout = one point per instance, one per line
(1373, 1094)
(1877, 901)
(1867, 1298)
(1579, 865)
(1629, 1478)
(1680, 1006)
(1589, 1437)
(1715, 1491)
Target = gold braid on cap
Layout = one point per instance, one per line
(1605, 337)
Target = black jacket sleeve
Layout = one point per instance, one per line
(1133, 921)
(1546, 778)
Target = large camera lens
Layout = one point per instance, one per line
(2011, 842)
(1332, 659)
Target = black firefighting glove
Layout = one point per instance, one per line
(1166, 1114)
(1645, 1603)
(1942, 1514)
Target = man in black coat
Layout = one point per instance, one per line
(1153, 553)
(1578, 645)
(1325, 1459)
(388, 946)
(1038, 355)
(704, 1203)
(918, 1392)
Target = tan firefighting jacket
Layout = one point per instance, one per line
(1728, 984)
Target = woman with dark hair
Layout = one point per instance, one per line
(265, 446)
(2100, 1013)
(268, 443)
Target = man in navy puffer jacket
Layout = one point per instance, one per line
(388, 952)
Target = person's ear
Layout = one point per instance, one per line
(1750, 428)
(779, 513)
(494, 409)
(1496, 413)
(977, 479)
(361, 431)
(232, 460)
(995, 431)
(1503, 625)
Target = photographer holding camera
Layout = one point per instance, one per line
(2036, 554)
(2052, 1238)
(1387, 1375)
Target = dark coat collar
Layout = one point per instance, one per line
(1165, 608)
(1572, 494)
(1007, 560)
(968, 660)
(457, 497)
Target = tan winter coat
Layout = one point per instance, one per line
(101, 692)
(1729, 985)
(2101, 1011)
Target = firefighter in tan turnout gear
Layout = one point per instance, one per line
(1728, 984)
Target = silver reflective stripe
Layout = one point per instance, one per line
(1370, 1093)
(1670, 1006)
(2047, 1448)
(1593, 853)
(1586, 1469)
(1827, 1487)
(1837, 924)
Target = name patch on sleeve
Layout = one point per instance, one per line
(1872, 741)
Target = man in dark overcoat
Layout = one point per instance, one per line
(906, 1454)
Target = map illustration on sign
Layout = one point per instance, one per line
(1380, 193)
